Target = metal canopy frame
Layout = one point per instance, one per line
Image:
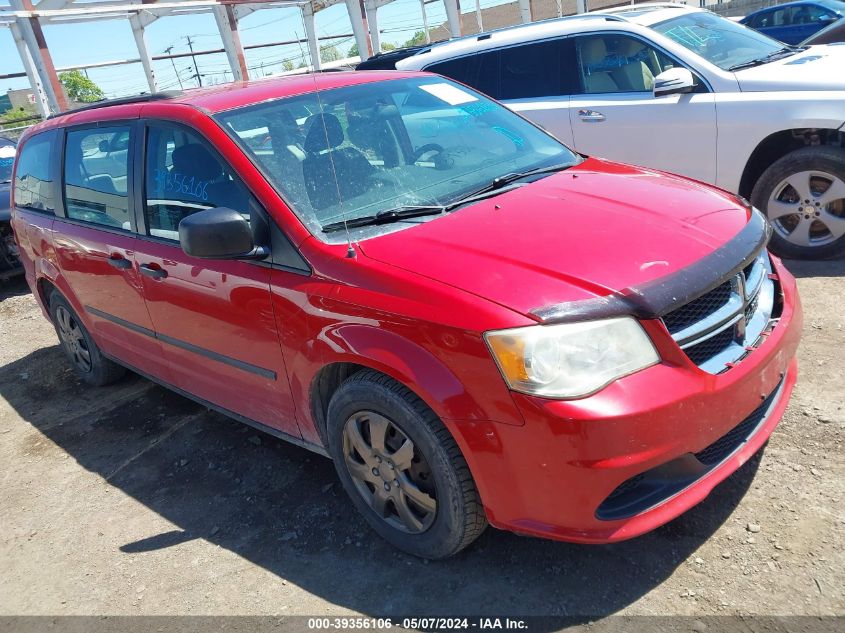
(25, 19)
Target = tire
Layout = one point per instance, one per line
(369, 401)
(82, 352)
(803, 196)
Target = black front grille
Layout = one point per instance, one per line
(708, 348)
(697, 309)
(730, 441)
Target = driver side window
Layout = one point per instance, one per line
(183, 176)
(619, 63)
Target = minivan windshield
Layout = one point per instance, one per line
(721, 42)
(397, 149)
(7, 158)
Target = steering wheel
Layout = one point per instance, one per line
(426, 149)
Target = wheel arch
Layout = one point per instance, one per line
(777, 145)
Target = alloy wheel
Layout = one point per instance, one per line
(808, 208)
(74, 340)
(389, 472)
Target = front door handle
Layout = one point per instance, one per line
(119, 261)
(149, 271)
(591, 116)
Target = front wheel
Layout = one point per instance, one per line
(402, 468)
(803, 196)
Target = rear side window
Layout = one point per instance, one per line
(536, 69)
(96, 176)
(33, 182)
(480, 71)
(183, 176)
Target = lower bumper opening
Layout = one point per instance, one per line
(649, 489)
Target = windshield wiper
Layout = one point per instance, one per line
(786, 51)
(500, 181)
(387, 216)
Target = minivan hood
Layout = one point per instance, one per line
(596, 229)
(817, 68)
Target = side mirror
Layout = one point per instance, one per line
(218, 233)
(674, 81)
(103, 146)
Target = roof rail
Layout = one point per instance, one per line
(485, 35)
(642, 6)
(144, 98)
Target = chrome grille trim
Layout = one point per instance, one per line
(747, 311)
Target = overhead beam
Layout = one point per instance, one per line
(33, 37)
(42, 102)
(453, 16)
(143, 52)
(372, 24)
(356, 18)
(311, 36)
(227, 24)
(525, 13)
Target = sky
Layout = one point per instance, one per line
(89, 42)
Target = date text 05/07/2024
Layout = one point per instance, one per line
(419, 624)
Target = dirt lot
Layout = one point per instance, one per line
(132, 500)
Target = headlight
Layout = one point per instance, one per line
(571, 360)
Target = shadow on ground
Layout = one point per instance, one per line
(281, 507)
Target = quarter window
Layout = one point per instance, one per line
(96, 176)
(183, 176)
(613, 63)
(33, 184)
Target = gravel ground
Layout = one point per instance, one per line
(132, 500)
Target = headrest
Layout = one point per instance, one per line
(196, 160)
(320, 128)
(629, 47)
(594, 51)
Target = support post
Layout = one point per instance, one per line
(41, 100)
(33, 37)
(525, 11)
(227, 24)
(143, 52)
(372, 23)
(311, 36)
(453, 16)
(356, 18)
(478, 15)
(425, 22)
(581, 6)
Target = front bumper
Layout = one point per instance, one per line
(553, 476)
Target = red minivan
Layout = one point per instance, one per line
(475, 323)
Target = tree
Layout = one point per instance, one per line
(287, 65)
(387, 46)
(353, 51)
(80, 88)
(329, 53)
(417, 39)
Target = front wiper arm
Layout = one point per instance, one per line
(786, 51)
(388, 216)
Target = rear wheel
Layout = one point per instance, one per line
(84, 355)
(803, 196)
(402, 468)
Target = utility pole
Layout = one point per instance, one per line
(172, 61)
(196, 68)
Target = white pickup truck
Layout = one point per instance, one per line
(683, 90)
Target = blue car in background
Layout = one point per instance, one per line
(794, 22)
